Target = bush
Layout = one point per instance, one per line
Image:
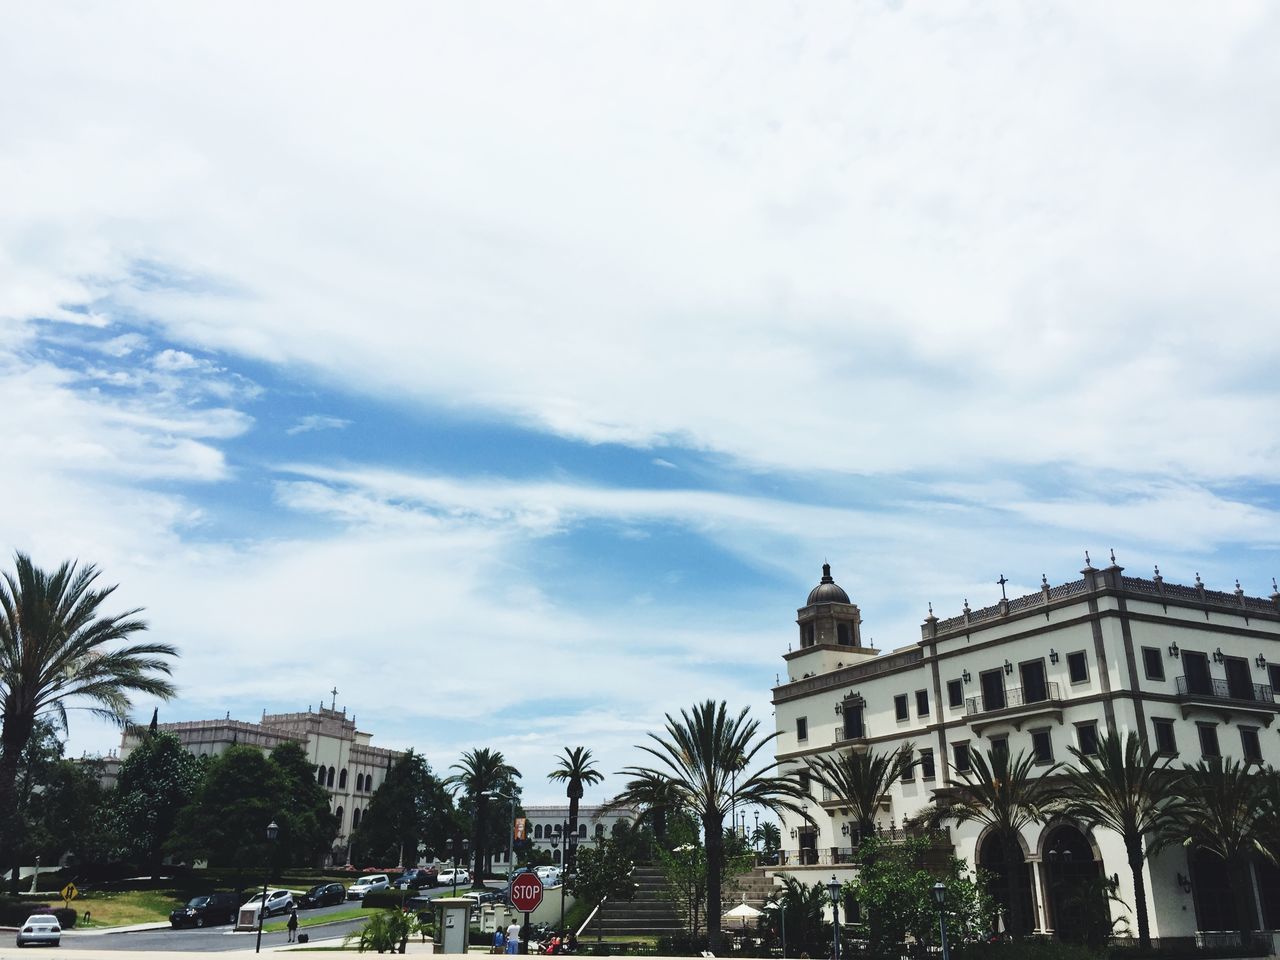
(13, 913)
(1032, 948)
(385, 899)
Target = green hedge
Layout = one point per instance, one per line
(14, 913)
(386, 899)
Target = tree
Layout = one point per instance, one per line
(604, 871)
(1132, 793)
(654, 798)
(69, 815)
(860, 780)
(576, 770)
(684, 867)
(307, 826)
(56, 650)
(700, 754)
(157, 780)
(769, 836)
(895, 885)
(1001, 792)
(1226, 813)
(796, 914)
(481, 772)
(410, 807)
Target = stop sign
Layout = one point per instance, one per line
(526, 892)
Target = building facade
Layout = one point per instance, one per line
(347, 765)
(1192, 671)
(546, 826)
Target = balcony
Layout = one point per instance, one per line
(1224, 697)
(1015, 705)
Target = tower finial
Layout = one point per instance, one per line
(1087, 561)
(1113, 556)
(1158, 577)
(826, 573)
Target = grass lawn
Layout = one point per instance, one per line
(110, 908)
(354, 913)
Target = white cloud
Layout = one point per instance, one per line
(317, 421)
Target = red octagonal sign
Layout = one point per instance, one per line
(526, 892)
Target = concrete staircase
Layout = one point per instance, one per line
(651, 914)
(755, 887)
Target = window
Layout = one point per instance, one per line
(1042, 746)
(355, 819)
(329, 777)
(320, 775)
(342, 779)
(582, 830)
(1034, 687)
(537, 831)
(803, 777)
(992, 689)
(960, 756)
(339, 813)
(1249, 744)
(1153, 663)
(806, 635)
(1000, 745)
(1087, 738)
(900, 706)
(843, 636)
(907, 766)
(599, 831)
(359, 783)
(955, 693)
(853, 728)
(922, 703)
(1078, 667)
(1209, 740)
(802, 728)
(926, 765)
(1166, 744)
(1273, 674)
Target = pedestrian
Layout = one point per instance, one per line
(499, 941)
(293, 923)
(513, 937)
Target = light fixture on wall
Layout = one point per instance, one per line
(1261, 661)
(1217, 655)
(1173, 651)
(966, 676)
(1053, 655)
(1184, 883)
(1008, 668)
(839, 709)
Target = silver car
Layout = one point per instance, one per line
(40, 928)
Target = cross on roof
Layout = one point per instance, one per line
(1002, 581)
(334, 704)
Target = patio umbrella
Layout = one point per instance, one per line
(745, 911)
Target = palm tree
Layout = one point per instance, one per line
(700, 754)
(1001, 792)
(577, 770)
(1130, 792)
(480, 772)
(860, 780)
(653, 796)
(796, 915)
(53, 653)
(1226, 813)
(769, 836)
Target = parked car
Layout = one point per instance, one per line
(448, 878)
(278, 901)
(415, 879)
(374, 881)
(212, 908)
(322, 895)
(550, 876)
(40, 928)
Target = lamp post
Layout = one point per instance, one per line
(35, 877)
(782, 922)
(833, 888)
(940, 901)
(569, 840)
(273, 831)
(511, 831)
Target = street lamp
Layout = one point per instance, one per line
(511, 830)
(273, 831)
(833, 888)
(454, 844)
(570, 840)
(940, 901)
(782, 922)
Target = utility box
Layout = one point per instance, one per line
(453, 923)
(247, 916)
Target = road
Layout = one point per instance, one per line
(213, 939)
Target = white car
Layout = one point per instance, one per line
(40, 928)
(550, 876)
(374, 881)
(448, 878)
(278, 901)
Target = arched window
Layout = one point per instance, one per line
(339, 813)
(555, 855)
(355, 819)
(329, 779)
(320, 775)
(359, 783)
(582, 831)
(342, 779)
(599, 831)
(537, 831)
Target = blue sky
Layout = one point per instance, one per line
(516, 371)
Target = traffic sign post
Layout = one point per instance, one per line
(526, 894)
(69, 892)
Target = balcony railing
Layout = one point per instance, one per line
(1215, 689)
(1014, 697)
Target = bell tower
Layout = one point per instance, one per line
(828, 617)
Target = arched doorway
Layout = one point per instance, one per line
(1076, 901)
(991, 859)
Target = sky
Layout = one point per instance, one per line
(514, 367)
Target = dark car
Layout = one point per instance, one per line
(204, 911)
(322, 895)
(415, 879)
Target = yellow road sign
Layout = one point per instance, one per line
(69, 892)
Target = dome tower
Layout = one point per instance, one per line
(828, 617)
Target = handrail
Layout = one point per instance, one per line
(591, 916)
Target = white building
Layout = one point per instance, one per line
(546, 826)
(1191, 670)
(347, 765)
